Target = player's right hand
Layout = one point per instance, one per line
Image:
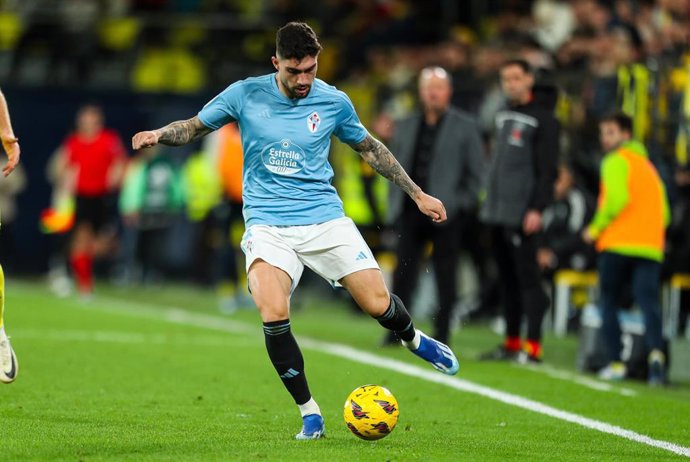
(144, 140)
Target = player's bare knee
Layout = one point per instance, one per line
(272, 310)
(377, 303)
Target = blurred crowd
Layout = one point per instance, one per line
(590, 57)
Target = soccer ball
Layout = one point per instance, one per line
(371, 412)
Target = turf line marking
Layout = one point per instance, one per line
(104, 336)
(401, 367)
(556, 373)
(171, 315)
(181, 316)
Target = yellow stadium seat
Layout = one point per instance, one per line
(119, 34)
(678, 283)
(565, 281)
(10, 30)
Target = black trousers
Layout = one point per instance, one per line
(415, 231)
(520, 281)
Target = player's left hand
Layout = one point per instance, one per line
(11, 146)
(431, 207)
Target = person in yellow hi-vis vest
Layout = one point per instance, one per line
(8, 360)
(629, 231)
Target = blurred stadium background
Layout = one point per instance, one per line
(151, 61)
(148, 62)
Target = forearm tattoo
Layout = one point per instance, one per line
(182, 132)
(382, 160)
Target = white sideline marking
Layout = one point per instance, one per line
(578, 379)
(105, 336)
(364, 357)
(181, 316)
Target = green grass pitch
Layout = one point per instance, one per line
(125, 378)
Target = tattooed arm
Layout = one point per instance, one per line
(174, 134)
(376, 154)
(382, 160)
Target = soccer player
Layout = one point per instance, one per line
(9, 367)
(292, 212)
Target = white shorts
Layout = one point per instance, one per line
(332, 249)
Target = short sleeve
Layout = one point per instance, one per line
(224, 108)
(349, 129)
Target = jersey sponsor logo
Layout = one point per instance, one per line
(283, 157)
(313, 121)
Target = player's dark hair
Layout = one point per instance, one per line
(621, 119)
(296, 40)
(521, 63)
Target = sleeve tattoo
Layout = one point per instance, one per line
(182, 132)
(382, 160)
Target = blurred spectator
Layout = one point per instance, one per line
(679, 252)
(560, 243)
(554, 22)
(629, 228)
(441, 149)
(519, 187)
(57, 221)
(66, 30)
(150, 200)
(202, 195)
(232, 290)
(92, 161)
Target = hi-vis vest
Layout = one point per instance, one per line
(202, 186)
(641, 225)
(633, 97)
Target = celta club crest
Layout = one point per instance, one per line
(313, 121)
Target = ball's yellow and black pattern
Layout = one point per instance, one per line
(371, 412)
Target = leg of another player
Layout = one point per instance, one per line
(8, 361)
(270, 287)
(369, 291)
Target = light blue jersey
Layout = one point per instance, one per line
(287, 176)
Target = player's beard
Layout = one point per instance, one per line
(300, 91)
(293, 92)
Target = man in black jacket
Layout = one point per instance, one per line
(519, 187)
(441, 148)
